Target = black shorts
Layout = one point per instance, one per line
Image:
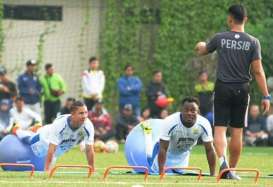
(231, 104)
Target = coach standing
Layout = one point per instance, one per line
(238, 52)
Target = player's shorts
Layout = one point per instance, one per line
(38, 145)
(231, 104)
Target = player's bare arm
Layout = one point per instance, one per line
(49, 157)
(201, 48)
(211, 156)
(90, 155)
(162, 155)
(258, 72)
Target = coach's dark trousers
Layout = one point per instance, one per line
(51, 109)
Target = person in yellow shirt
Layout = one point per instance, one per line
(204, 88)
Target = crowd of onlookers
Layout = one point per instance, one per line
(21, 102)
(259, 128)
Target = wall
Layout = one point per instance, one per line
(68, 45)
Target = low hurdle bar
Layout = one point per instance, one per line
(107, 170)
(53, 170)
(20, 165)
(183, 168)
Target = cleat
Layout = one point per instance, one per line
(146, 127)
(35, 127)
(13, 128)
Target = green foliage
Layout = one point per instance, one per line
(49, 29)
(169, 45)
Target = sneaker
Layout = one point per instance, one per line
(231, 175)
(222, 167)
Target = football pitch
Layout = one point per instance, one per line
(252, 157)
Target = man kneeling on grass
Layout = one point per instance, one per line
(65, 132)
(180, 133)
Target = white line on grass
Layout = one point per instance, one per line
(123, 183)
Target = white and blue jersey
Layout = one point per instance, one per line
(62, 135)
(181, 139)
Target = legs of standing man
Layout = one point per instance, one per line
(235, 146)
(220, 140)
(51, 109)
(230, 107)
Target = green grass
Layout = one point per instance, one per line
(259, 157)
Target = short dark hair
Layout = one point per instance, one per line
(190, 99)
(71, 99)
(76, 105)
(202, 72)
(128, 66)
(92, 59)
(156, 72)
(19, 98)
(48, 65)
(238, 12)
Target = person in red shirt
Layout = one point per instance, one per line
(102, 122)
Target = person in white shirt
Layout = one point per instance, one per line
(93, 82)
(23, 116)
(65, 132)
(180, 134)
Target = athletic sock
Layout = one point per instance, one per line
(222, 159)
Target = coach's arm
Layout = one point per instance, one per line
(211, 156)
(162, 155)
(258, 72)
(49, 157)
(89, 149)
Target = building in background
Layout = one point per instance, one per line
(63, 32)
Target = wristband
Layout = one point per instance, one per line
(269, 97)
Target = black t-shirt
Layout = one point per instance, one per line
(12, 90)
(236, 51)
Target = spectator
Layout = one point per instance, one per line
(53, 88)
(101, 121)
(129, 87)
(204, 88)
(164, 113)
(4, 117)
(256, 130)
(269, 127)
(93, 82)
(7, 87)
(23, 116)
(30, 88)
(67, 106)
(125, 122)
(145, 115)
(155, 89)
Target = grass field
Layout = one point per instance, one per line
(261, 158)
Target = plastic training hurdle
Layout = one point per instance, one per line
(20, 165)
(145, 170)
(240, 170)
(53, 170)
(183, 168)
